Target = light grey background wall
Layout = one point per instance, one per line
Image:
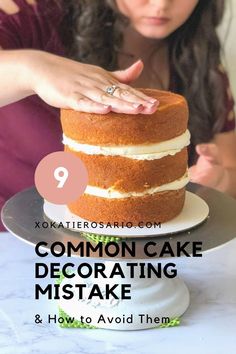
(227, 32)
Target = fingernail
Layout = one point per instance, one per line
(105, 106)
(139, 60)
(151, 105)
(137, 105)
(153, 100)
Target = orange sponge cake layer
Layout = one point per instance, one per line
(125, 174)
(159, 207)
(169, 121)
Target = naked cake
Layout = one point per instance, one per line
(137, 164)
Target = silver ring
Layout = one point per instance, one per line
(111, 89)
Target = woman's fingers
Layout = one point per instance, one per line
(127, 94)
(124, 99)
(127, 76)
(120, 101)
(121, 91)
(128, 98)
(210, 152)
(143, 96)
(98, 101)
(84, 104)
(117, 105)
(130, 74)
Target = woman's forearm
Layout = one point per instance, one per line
(15, 74)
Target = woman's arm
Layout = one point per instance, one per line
(15, 76)
(216, 165)
(65, 83)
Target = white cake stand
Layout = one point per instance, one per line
(157, 298)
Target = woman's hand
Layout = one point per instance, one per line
(209, 170)
(216, 165)
(65, 83)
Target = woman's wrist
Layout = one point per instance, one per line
(30, 63)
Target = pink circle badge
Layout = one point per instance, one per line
(61, 177)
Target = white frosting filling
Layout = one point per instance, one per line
(137, 152)
(111, 193)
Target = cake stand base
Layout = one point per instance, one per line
(154, 301)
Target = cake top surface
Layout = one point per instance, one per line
(167, 100)
(169, 121)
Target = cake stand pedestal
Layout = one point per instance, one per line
(153, 297)
(154, 301)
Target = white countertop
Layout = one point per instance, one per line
(208, 326)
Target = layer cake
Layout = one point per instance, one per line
(137, 164)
